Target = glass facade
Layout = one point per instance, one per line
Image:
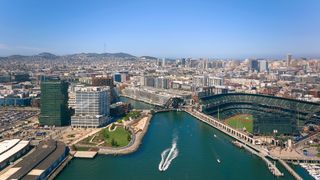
(54, 103)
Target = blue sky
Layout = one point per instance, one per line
(163, 28)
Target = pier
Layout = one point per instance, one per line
(85, 154)
(291, 171)
(272, 167)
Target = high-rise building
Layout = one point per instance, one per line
(159, 62)
(117, 77)
(92, 107)
(163, 62)
(254, 65)
(124, 76)
(161, 83)
(215, 81)
(263, 66)
(54, 103)
(149, 81)
(183, 62)
(200, 80)
(289, 58)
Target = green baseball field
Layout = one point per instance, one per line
(241, 121)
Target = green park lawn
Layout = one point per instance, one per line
(240, 121)
(118, 138)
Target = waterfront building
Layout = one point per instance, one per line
(54, 103)
(11, 150)
(40, 164)
(92, 107)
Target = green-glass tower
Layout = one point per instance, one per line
(54, 103)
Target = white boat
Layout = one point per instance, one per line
(215, 135)
(218, 160)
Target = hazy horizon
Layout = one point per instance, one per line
(217, 29)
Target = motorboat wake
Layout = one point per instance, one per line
(168, 155)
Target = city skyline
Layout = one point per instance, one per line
(229, 29)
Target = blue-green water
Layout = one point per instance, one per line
(136, 104)
(197, 158)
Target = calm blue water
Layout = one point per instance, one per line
(197, 158)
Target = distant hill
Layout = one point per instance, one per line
(47, 55)
(50, 56)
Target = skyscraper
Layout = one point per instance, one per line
(263, 66)
(163, 62)
(54, 103)
(254, 65)
(289, 58)
(92, 107)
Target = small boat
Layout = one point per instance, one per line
(218, 160)
(215, 135)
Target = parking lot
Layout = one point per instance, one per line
(9, 119)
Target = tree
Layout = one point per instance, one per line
(129, 137)
(114, 142)
(106, 135)
(112, 126)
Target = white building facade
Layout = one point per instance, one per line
(92, 107)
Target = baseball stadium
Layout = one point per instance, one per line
(261, 114)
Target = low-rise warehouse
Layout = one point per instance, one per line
(11, 150)
(47, 156)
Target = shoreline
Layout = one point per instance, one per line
(131, 147)
(140, 100)
(137, 141)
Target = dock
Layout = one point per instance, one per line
(291, 171)
(60, 168)
(271, 166)
(85, 154)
